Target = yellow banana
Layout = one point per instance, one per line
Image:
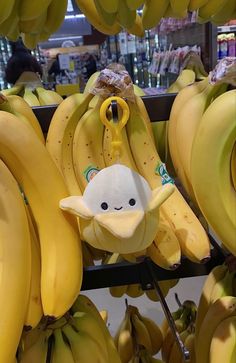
(6, 9)
(220, 310)
(30, 40)
(34, 310)
(134, 290)
(223, 342)
(110, 6)
(125, 16)
(124, 338)
(18, 107)
(175, 354)
(233, 167)
(118, 291)
(83, 303)
(137, 27)
(225, 14)
(155, 333)
(31, 10)
(196, 4)
(109, 18)
(180, 8)
(48, 97)
(61, 351)
(216, 274)
(15, 264)
(223, 287)
(84, 348)
(35, 25)
(134, 4)
(213, 144)
(44, 187)
(89, 9)
(153, 11)
(87, 145)
(211, 8)
(165, 250)
(86, 323)
(53, 22)
(37, 353)
(11, 21)
(17, 88)
(60, 134)
(30, 97)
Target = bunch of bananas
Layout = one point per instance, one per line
(205, 161)
(137, 333)
(34, 21)
(184, 319)
(33, 93)
(135, 16)
(78, 336)
(80, 144)
(41, 255)
(216, 321)
(135, 290)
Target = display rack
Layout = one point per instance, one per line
(144, 272)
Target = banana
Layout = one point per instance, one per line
(189, 344)
(185, 78)
(195, 107)
(225, 13)
(104, 315)
(17, 88)
(30, 337)
(211, 8)
(87, 145)
(44, 187)
(193, 240)
(134, 290)
(18, 107)
(109, 18)
(216, 274)
(218, 125)
(196, 4)
(11, 21)
(182, 97)
(118, 291)
(180, 8)
(48, 97)
(34, 309)
(153, 11)
(124, 338)
(33, 26)
(89, 9)
(134, 4)
(165, 250)
(175, 355)
(60, 134)
(5, 10)
(125, 16)
(83, 303)
(86, 323)
(223, 341)
(220, 310)
(37, 353)
(29, 10)
(223, 287)
(15, 264)
(164, 286)
(53, 22)
(61, 352)
(137, 27)
(155, 333)
(84, 348)
(233, 167)
(110, 6)
(30, 97)
(30, 40)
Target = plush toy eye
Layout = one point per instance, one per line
(132, 202)
(104, 206)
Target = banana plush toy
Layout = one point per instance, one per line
(119, 212)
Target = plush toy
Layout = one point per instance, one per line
(119, 212)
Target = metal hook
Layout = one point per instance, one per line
(184, 351)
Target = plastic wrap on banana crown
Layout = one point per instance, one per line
(118, 211)
(224, 71)
(114, 80)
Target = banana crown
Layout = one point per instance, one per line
(118, 198)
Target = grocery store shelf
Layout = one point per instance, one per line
(126, 273)
(226, 29)
(158, 108)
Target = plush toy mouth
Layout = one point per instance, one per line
(118, 208)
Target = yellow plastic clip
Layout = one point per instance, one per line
(115, 127)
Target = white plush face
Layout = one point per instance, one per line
(117, 189)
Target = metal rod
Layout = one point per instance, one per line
(114, 110)
(184, 351)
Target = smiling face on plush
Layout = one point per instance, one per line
(119, 212)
